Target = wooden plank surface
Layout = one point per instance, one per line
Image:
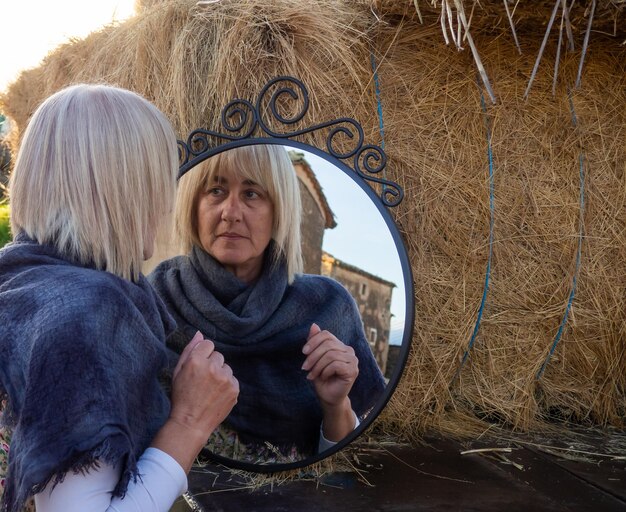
(436, 477)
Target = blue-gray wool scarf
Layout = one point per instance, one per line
(80, 354)
(261, 329)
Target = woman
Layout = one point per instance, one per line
(82, 333)
(295, 342)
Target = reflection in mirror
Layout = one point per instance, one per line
(357, 250)
(312, 344)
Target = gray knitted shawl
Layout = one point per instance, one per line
(261, 329)
(80, 353)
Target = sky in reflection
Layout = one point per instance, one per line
(361, 237)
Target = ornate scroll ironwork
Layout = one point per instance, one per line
(241, 119)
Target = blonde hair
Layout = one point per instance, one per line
(95, 172)
(270, 167)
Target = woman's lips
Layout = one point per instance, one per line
(230, 236)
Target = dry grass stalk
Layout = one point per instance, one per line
(543, 46)
(568, 24)
(585, 43)
(470, 40)
(486, 450)
(512, 24)
(558, 53)
(417, 10)
(448, 17)
(530, 16)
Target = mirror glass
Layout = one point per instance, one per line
(347, 236)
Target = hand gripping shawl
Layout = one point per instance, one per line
(80, 353)
(261, 329)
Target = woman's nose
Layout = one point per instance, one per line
(231, 209)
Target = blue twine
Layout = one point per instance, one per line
(581, 174)
(381, 125)
(483, 300)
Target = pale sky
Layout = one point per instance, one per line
(31, 29)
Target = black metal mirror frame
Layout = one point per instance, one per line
(242, 121)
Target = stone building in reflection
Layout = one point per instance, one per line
(372, 295)
(316, 214)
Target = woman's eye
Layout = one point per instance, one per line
(215, 191)
(252, 194)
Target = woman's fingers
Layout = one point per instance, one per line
(198, 337)
(341, 364)
(318, 338)
(321, 344)
(332, 365)
(202, 349)
(204, 389)
(313, 330)
(326, 351)
(323, 349)
(348, 371)
(216, 359)
(315, 338)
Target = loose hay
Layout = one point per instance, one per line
(439, 147)
(192, 61)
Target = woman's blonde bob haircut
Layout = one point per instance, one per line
(95, 172)
(267, 165)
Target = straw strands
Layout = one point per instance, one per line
(536, 150)
(526, 215)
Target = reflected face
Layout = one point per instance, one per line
(235, 219)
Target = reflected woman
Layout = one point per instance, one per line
(295, 342)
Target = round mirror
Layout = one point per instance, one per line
(349, 243)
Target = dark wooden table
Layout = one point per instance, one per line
(438, 477)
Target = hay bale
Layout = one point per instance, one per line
(437, 142)
(206, 57)
(436, 139)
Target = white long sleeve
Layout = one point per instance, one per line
(161, 481)
(324, 444)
